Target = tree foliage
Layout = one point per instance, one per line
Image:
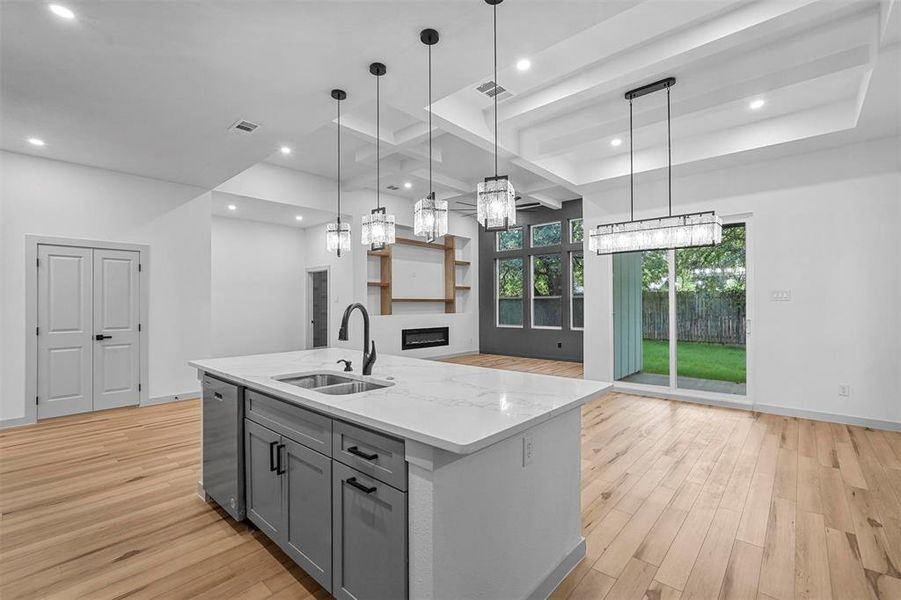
(715, 269)
(546, 276)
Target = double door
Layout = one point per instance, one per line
(88, 329)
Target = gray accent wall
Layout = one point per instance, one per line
(561, 344)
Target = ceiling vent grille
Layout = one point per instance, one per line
(492, 89)
(392, 187)
(244, 126)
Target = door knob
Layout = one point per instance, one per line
(100, 337)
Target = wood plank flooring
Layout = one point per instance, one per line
(678, 501)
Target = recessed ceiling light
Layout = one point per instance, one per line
(61, 11)
(408, 185)
(524, 64)
(232, 207)
(36, 141)
(615, 142)
(285, 150)
(757, 104)
(299, 217)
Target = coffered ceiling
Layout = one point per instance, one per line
(152, 87)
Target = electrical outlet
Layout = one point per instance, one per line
(844, 389)
(528, 449)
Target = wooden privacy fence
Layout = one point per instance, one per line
(700, 317)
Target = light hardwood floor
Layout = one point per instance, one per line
(678, 500)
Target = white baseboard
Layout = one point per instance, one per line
(17, 422)
(719, 400)
(559, 573)
(829, 417)
(173, 398)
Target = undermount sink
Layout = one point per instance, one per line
(331, 383)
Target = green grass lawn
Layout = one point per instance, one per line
(704, 361)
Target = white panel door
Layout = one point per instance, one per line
(65, 340)
(116, 316)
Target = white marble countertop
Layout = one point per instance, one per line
(457, 408)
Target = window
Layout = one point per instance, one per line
(577, 290)
(548, 234)
(547, 289)
(509, 292)
(510, 239)
(576, 234)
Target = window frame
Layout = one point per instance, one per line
(532, 234)
(532, 258)
(522, 240)
(572, 296)
(497, 293)
(570, 230)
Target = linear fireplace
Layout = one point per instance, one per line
(427, 337)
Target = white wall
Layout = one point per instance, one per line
(258, 285)
(53, 198)
(824, 225)
(349, 273)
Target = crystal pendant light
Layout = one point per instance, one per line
(495, 197)
(430, 214)
(660, 233)
(337, 234)
(377, 228)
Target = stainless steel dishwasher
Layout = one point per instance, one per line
(223, 444)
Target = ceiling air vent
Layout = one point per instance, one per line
(244, 126)
(392, 187)
(491, 89)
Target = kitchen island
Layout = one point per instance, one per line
(444, 480)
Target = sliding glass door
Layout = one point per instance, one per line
(680, 316)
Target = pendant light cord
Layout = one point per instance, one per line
(339, 161)
(430, 121)
(378, 146)
(496, 86)
(631, 168)
(669, 151)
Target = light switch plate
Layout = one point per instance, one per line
(781, 295)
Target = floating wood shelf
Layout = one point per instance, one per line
(421, 244)
(445, 300)
(450, 274)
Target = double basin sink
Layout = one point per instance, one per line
(332, 383)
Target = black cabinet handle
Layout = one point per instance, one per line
(357, 452)
(353, 483)
(279, 470)
(100, 337)
(272, 465)
(217, 395)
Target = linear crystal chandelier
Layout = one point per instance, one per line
(430, 214)
(495, 197)
(661, 233)
(337, 234)
(377, 228)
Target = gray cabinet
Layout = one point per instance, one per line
(344, 524)
(307, 497)
(263, 487)
(369, 537)
(289, 497)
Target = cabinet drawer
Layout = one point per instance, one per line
(369, 539)
(301, 425)
(374, 454)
